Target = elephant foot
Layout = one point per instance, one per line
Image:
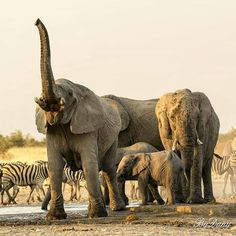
(195, 200)
(56, 214)
(210, 200)
(96, 211)
(160, 202)
(44, 208)
(118, 205)
(126, 200)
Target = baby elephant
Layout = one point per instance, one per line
(152, 169)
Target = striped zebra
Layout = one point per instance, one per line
(15, 188)
(73, 178)
(22, 175)
(225, 165)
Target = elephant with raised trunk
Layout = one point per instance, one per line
(189, 125)
(152, 170)
(80, 127)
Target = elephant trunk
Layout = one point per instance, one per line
(49, 90)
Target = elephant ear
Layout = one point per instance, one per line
(40, 120)
(140, 164)
(116, 103)
(89, 113)
(164, 125)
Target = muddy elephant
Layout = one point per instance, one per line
(188, 124)
(152, 170)
(139, 147)
(80, 127)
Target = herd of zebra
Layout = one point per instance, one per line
(15, 174)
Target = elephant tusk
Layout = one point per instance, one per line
(174, 145)
(199, 142)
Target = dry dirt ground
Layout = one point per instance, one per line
(217, 219)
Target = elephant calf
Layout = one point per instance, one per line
(152, 170)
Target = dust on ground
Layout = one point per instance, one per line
(181, 219)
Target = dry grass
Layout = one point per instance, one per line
(26, 154)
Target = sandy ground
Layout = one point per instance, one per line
(218, 219)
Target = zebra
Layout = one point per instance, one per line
(22, 175)
(225, 165)
(73, 178)
(15, 187)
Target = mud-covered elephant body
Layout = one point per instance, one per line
(152, 170)
(188, 123)
(81, 128)
(139, 122)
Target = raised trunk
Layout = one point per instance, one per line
(48, 84)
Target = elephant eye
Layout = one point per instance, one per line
(70, 93)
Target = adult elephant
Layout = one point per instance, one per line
(80, 127)
(139, 122)
(189, 124)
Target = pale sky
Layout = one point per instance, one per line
(138, 49)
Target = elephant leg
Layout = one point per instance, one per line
(170, 191)
(179, 190)
(195, 179)
(55, 170)
(105, 190)
(109, 172)
(143, 186)
(106, 195)
(89, 160)
(121, 186)
(207, 182)
(155, 193)
(46, 199)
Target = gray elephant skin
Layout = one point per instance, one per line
(80, 127)
(188, 124)
(152, 170)
(139, 122)
(139, 147)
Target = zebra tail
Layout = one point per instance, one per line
(218, 156)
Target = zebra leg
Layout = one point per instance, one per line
(32, 187)
(78, 197)
(46, 200)
(15, 193)
(71, 192)
(232, 183)
(6, 188)
(225, 182)
(38, 187)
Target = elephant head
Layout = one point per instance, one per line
(62, 101)
(131, 165)
(179, 118)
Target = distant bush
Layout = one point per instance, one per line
(4, 145)
(227, 136)
(18, 139)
